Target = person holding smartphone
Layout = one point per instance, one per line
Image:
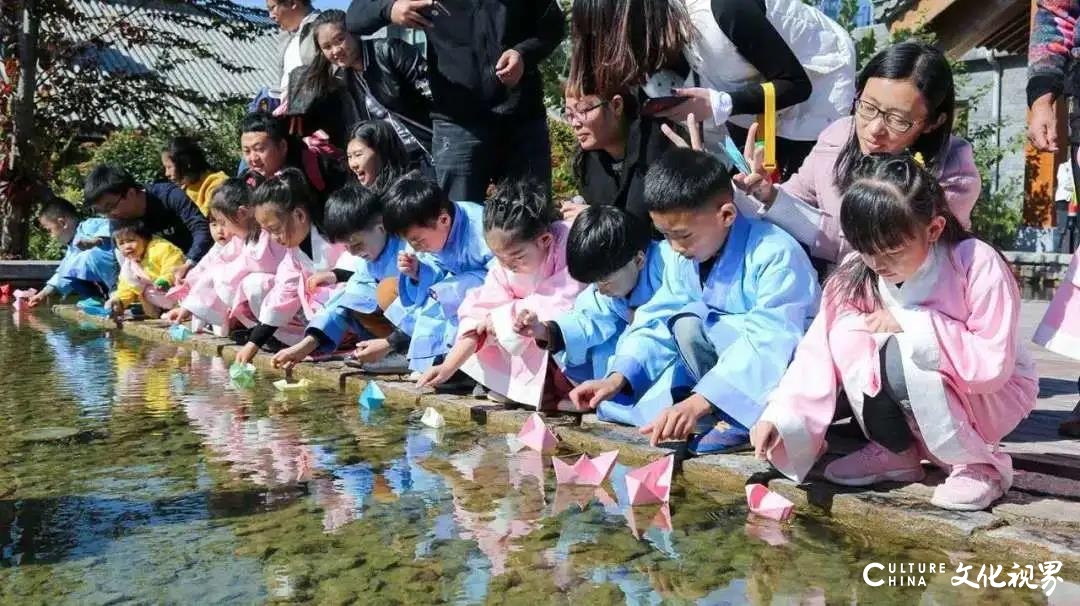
(488, 116)
(724, 50)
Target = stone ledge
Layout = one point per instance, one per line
(1036, 258)
(1035, 528)
(27, 273)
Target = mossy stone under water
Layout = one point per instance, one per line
(195, 492)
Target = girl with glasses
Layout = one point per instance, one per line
(717, 53)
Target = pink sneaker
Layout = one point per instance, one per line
(874, 463)
(969, 488)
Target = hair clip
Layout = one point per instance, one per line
(918, 157)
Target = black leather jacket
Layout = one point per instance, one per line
(465, 45)
(395, 73)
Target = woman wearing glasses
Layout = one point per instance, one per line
(616, 147)
(709, 58)
(904, 102)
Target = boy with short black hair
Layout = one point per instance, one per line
(89, 265)
(613, 252)
(731, 310)
(368, 306)
(451, 258)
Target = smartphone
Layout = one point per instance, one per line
(437, 9)
(735, 156)
(655, 105)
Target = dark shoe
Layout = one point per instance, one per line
(1070, 427)
(240, 336)
(391, 364)
(273, 346)
(460, 384)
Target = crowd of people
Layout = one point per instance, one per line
(396, 207)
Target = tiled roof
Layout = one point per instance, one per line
(258, 53)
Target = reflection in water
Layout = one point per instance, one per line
(192, 491)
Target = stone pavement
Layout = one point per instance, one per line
(1035, 445)
(1038, 520)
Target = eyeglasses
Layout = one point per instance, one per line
(578, 113)
(895, 122)
(108, 203)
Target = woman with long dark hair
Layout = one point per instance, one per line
(376, 155)
(353, 79)
(718, 53)
(919, 330)
(905, 102)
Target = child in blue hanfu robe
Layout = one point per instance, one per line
(730, 310)
(89, 267)
(613, 252)
(367, 307)
(451, 258)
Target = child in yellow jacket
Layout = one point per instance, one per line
(147, 268)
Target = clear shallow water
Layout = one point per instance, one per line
(176, 488)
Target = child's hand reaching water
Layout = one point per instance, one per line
(371, 350)
(764, 438)
(177, 315)
(435, 376)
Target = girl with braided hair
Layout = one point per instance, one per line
(528, 282)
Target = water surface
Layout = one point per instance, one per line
(174, 487)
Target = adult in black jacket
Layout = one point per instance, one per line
(483, 66)
(617, 146)
(353, 80)
(168, 212)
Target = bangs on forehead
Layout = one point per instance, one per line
(874, 217)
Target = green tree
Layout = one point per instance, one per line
(60, 80)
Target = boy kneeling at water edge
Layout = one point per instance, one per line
(612, 251)
(731, 308)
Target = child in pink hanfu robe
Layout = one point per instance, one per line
(529, 283)
(281, 208)
(919, 331)
(197, 297)
(225, 288)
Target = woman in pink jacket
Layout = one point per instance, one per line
(919, 330)
(904, 101)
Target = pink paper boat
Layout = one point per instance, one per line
(535, 434)
(767, 503)
(660, 521)
(651, 483)
(21, 297)
(586, 471)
